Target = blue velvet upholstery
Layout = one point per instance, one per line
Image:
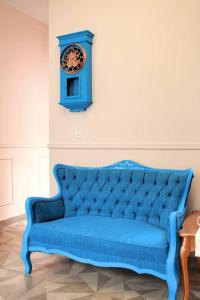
(119, 237)
(148, 196)
(124, 215)
(44, 211)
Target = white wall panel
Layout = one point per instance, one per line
(25, 174)
(6, 182)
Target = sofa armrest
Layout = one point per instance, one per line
(176, 219)
(39, 209)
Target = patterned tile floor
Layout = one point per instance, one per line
(58, 278)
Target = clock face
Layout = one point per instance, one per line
(73, 58)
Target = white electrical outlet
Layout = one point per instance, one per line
(78, 133)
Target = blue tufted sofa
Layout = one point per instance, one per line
(123, 215)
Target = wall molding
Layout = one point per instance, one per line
(155, 146)
(23, 146)
(146, 146)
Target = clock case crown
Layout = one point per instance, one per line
(76, 89)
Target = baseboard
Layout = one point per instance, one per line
(13, 220)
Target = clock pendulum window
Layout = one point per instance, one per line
(76, 70)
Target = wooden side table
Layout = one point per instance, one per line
(188, 232)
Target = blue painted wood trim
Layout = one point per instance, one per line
(128, 164)
(76, 37)
(172, 263)
(96, 263)
(175, 222)
(187, 189)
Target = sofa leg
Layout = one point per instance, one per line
(172, 288)
(27, 262)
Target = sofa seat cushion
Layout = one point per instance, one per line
(112, 236)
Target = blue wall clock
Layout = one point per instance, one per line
(76, 70)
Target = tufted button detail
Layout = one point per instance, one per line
(169, 195)
(78, 188)
(154, 183)
(166, 183)
(74, 177)
(123, 191)
(88, 210)
(151, 205)
(139, 204)
(83, 199)
(146, 194)
(94, 200)
(64, 177)
(163, 206)
(99, 210)
(158, 194)
(111, 190)
(100, 189)
(117, 202)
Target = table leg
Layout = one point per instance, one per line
(198, 263)
(185, 251)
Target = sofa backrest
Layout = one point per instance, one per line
(123, 190)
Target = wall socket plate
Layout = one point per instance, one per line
(78, 132)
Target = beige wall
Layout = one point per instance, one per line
(146, 70)
(23, 109)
